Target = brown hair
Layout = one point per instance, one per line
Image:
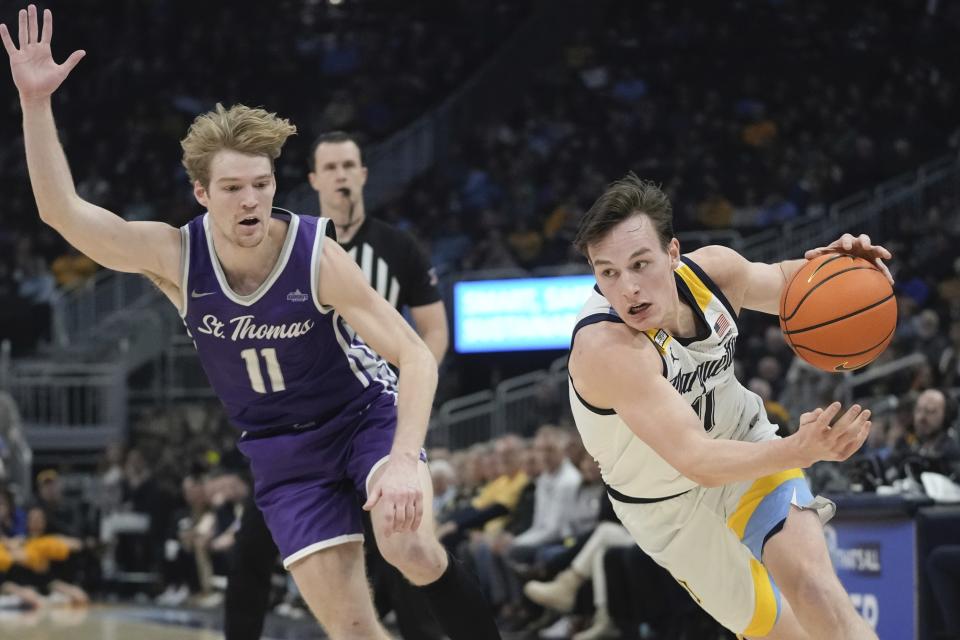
(239, 128)
(625, 197)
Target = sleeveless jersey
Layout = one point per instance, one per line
(276, 357)
(699, 368)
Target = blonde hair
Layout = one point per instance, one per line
(239, 128)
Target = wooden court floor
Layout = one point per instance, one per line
(98, 623)
(132, 622)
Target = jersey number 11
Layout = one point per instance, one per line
(703, 405)
(256, 374)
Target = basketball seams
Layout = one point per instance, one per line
(786, 293)
(848, 355)
(822, 282)
(839, 318)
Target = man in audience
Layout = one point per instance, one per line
(932, 448)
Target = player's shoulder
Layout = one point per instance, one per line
(603, 350)
(723, 265)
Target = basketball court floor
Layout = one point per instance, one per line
(130, 622)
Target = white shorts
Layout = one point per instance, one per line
(711, 540)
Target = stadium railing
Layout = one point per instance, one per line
(871, 211)
(853, 380)
(68, 407)
(16, 456)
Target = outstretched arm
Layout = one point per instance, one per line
(138, 247)
(611, 367)
(758, 285)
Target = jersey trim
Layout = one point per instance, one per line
(711, 285)
(586, 321)
(184, 269)
(663, 361)
(278, 268)
(619, 497)
(594, 318)
(359, 371)
(596, 410)
(323, 231)
(684, 287)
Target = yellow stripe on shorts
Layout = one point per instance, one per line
(752, 497)
(765, 602)
(701, 293)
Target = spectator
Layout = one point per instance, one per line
(932, 448)
(62, 516)
(556, 495)
(38, 559)
(444, 487)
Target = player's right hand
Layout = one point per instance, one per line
(818, 439)
(35, 73)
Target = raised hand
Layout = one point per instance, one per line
(856, 246)
(35, 73)
(819, 440)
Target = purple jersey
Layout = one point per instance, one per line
(276, 357)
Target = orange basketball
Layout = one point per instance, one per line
(838, 313)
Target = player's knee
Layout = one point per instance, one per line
(402, 553)
(413, 555)
(814, 589)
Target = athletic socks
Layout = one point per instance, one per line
(459, 605)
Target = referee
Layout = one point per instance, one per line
(396, 266)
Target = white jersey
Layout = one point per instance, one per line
(699, 368)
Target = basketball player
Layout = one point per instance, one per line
(397, 267)
(276, 312)
(694, 468)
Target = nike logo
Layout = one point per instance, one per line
(845, 366)
(194, 294)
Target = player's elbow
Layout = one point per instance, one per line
(693, 464)
(417, 355)
(48, 216)
(691, 472)
(706, 480)
(54, 211)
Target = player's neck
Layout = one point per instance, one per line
(246, 268)
(682, 321)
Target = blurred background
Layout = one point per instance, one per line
(488, 129)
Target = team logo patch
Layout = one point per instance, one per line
(722, 325)
(660, 338)
(297, 296)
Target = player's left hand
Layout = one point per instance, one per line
(859, 246)
(399, 494)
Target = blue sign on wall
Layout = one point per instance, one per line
(523, 314)
(875, 562)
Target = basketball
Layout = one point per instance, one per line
(838, 313)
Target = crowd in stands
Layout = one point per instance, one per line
(749, 114)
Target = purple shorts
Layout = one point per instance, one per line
(311, 485)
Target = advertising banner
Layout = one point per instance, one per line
(875, 560)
